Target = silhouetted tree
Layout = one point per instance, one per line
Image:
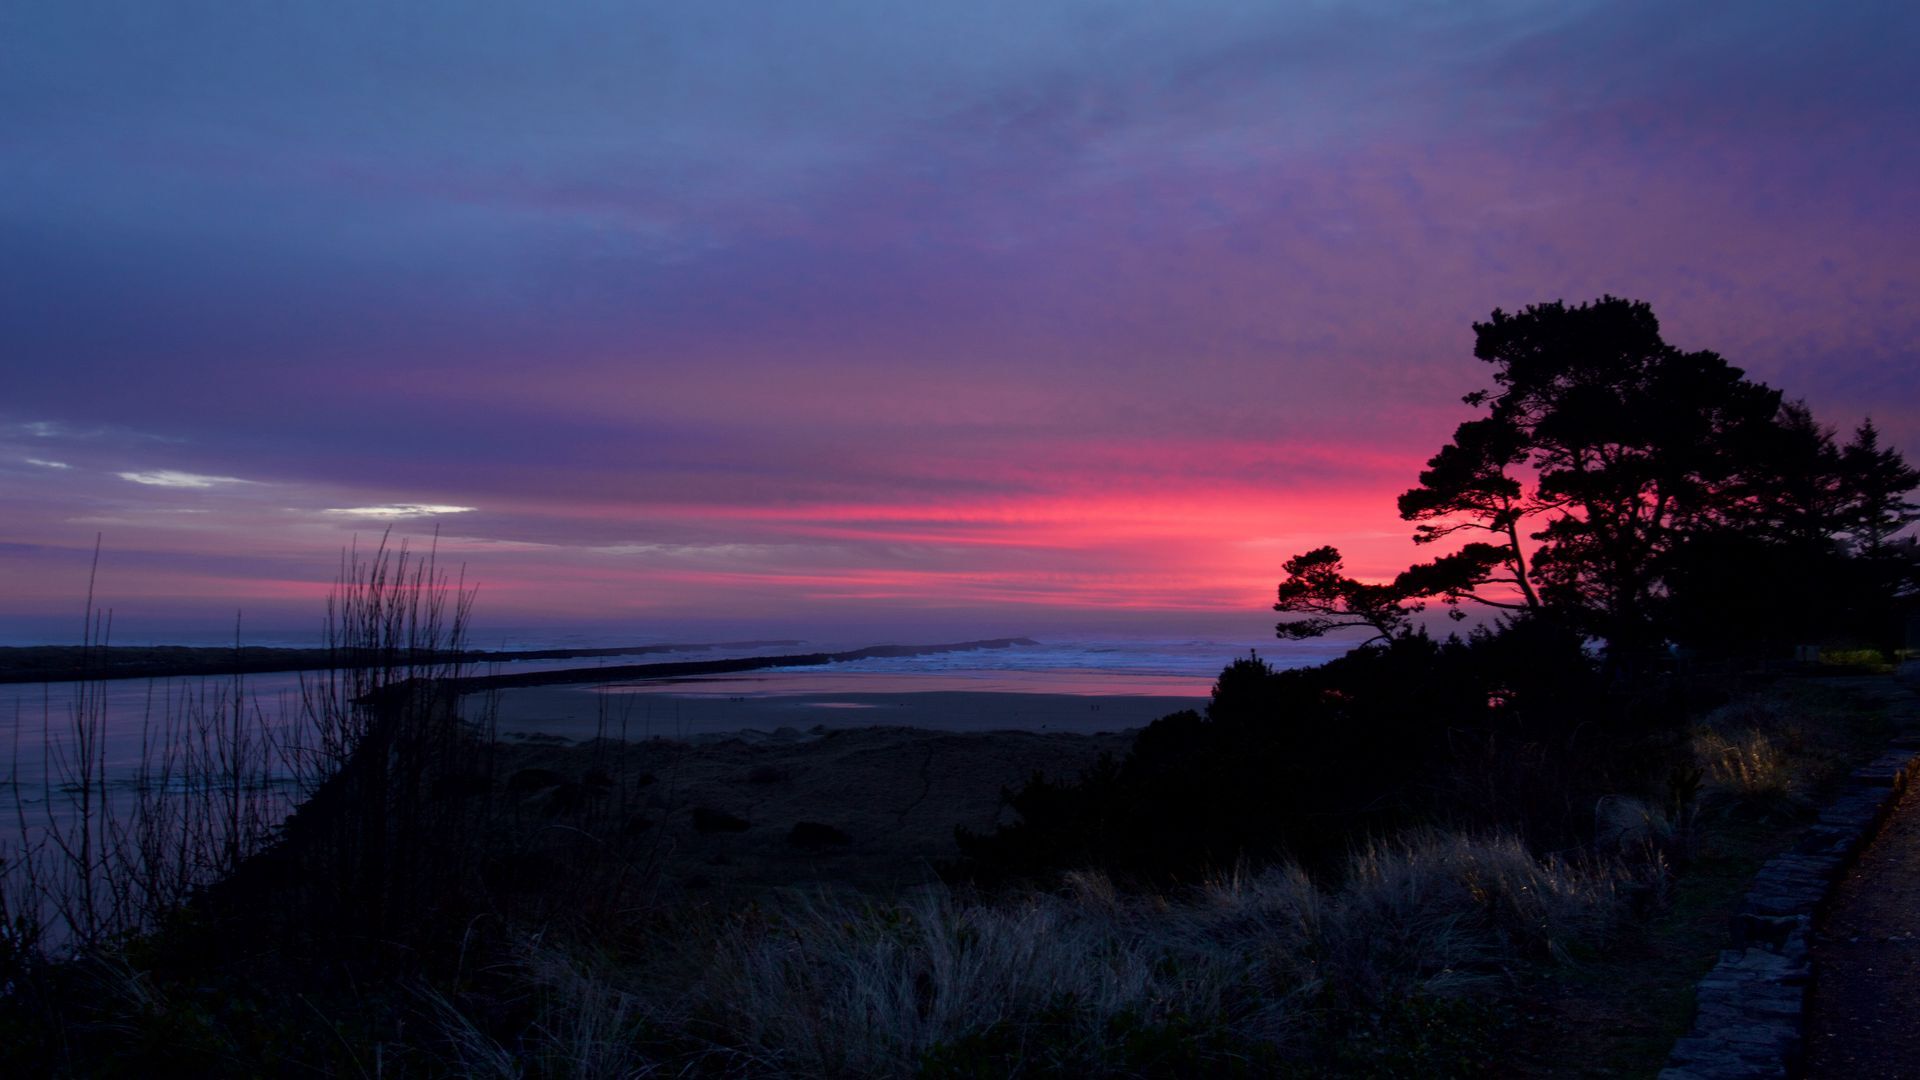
(1877, 483)
(1466, 486)
(1886, 566)
(1632, 443)
(1611, 469)
(1317, 587)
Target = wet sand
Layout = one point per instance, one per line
(801, 703)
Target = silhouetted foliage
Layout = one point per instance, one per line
(1807, 553)
(1878, 483)
(1466, 487)
(1514, 726)
(1639, 494)
(1317, 587)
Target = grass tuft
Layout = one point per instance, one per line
(1249, 967)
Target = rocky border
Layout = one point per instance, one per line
(1751, 1006)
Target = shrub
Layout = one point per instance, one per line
(1510, 729)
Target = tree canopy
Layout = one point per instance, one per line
(1317, 587)
(1624, 488)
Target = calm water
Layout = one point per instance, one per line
(1182, 667)
(36, 719)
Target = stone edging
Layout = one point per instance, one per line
(1751, 1006)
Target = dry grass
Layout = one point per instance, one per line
(827, 986)
(1749, 763)
(1443, 908)
(1753, 752)
(832, 991)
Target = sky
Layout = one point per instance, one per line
(873, 317)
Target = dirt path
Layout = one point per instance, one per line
(1863, 1017)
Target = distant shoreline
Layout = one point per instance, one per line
(731, 665)
(580, 714)
(72, 663)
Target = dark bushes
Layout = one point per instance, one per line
(1514, 728)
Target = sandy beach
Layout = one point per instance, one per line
(803, 702)
(717, 815)
(884, 774)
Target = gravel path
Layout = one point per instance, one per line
(1864, 1013)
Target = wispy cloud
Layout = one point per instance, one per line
(400, 510)
(173, 478)
(677, 550)
(48, 464)
(58, 429)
